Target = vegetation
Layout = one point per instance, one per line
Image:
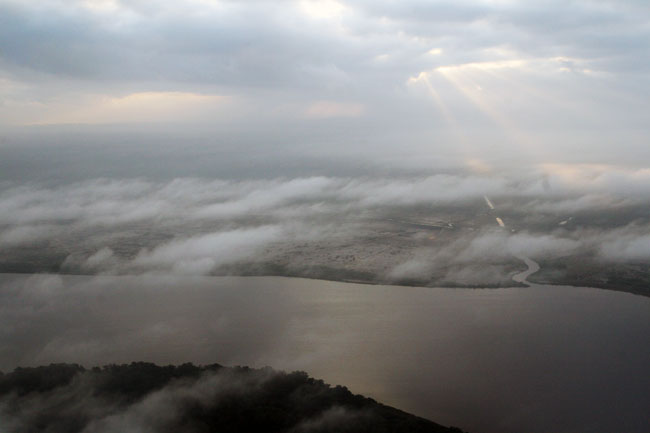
(186, 398)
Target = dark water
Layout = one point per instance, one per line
(542, 359)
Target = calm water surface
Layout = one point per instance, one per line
(539, 359)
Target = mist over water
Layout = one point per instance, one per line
(562, 359)
(158, 152)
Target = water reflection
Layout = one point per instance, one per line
(534, 359)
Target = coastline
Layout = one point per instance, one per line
(513, 285)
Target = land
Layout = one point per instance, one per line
(588, 271)
(436, 245)
(146, 397)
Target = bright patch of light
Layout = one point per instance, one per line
(135, 107)
(101, 5)
(478, 166)
(486, 66)
(577, 173)
(322, 9)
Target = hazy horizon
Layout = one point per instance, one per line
(470, 83)
(482, 165)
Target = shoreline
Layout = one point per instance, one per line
(515, 285)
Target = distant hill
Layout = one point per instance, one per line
(143, 397)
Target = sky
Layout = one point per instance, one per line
(480, 81)
(203, 111)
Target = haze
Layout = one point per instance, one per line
(410, 83)
(470, 178)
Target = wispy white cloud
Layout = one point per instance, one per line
(200, 254)
(193, 226)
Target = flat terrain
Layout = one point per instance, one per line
(442, 245)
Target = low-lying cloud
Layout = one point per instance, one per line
(138, 397)
(200, 254)
(201, 226)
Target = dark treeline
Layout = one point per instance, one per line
(146, 397)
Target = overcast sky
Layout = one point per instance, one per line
(545, 80)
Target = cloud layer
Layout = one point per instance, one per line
(531, 80)
(390, 228)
